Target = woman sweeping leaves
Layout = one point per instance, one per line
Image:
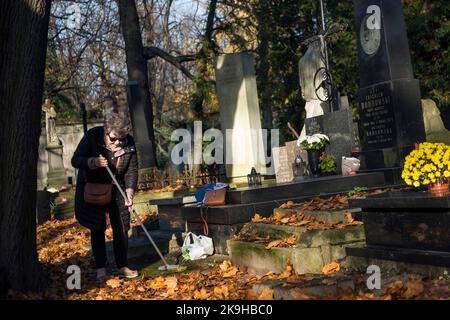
(106, 146)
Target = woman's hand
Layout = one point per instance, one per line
(129, 201)
(101, 162)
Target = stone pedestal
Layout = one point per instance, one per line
(239, 111)
(405, 226)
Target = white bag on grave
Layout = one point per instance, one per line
(197, 247)
(350, 166)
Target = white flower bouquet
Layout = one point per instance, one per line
(317, 141)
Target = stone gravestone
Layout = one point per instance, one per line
(308, 65)
(283, 168)
(284, 158)
(56, 175)
(239, 110)
(434, 126)
(391, 119)
(339, 127)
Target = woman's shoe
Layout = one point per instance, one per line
(128, 273)
(101, 274)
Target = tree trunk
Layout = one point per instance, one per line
(23, 44)
(263, 65)
(137, 67)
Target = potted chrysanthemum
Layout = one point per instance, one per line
(428, 165)
(314, 146)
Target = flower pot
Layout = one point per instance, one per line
(313, 162)
(439, 189)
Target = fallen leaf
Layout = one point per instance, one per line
(291, 240)
(331, 268)
(287, 271)
(251, 295)
(349, 217)
(225, 265)
(266, 294)
(278, 215)
(157, 283)
(171, 283)
(257, 218)
(414, 288)
(113, 283)
(273, 244)
(201, 294)
(285, 220)
(231, 272)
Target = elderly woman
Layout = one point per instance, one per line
(107, 146)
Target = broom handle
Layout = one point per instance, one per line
(137, 216)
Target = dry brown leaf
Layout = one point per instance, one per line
(291, 240)
(257, 218)
(285, 220)
(171, 283)
(201, 294)
(349, 217)
(231, 272)
(113, 283)
(279, 215)
(414, 288)
(331, 268)
(274, 243)
(225, 265)
(157, 283)
(221, 292)
(266, 294)
(251, 295)
(287, 271)
(394, 287)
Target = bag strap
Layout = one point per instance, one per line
(205, 222)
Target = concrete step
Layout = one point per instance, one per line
(314, 249)
(306, 238)
(317, 287)
(327, 216)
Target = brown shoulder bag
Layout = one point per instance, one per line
(99, 194)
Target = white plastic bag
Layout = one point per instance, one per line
(197, 247)
(350, 166)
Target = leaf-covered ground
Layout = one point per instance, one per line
(65, 243)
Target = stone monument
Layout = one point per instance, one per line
(239, 110)
(434, 126)
(308, 66)
(391, 120)
(56, 176)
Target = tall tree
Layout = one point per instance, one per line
(137, 66)
(23, 26)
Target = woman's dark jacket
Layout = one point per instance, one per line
(92, 145)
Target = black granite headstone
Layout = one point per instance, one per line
(391, 119)
(338, 126)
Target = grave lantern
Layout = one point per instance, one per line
(298, 168)
(254, 178)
